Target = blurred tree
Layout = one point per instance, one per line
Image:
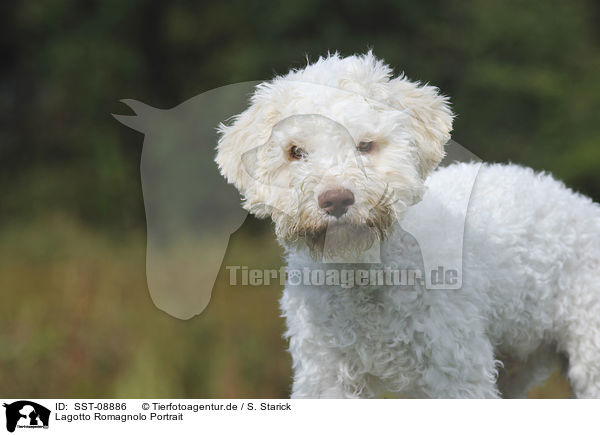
(522, 76)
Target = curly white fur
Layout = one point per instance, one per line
(531, 254)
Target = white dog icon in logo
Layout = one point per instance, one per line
(26, 414)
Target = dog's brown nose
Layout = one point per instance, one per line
(336, 202)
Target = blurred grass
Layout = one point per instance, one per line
(77, 321)
(556, 387)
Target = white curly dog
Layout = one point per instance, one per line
(336, 154)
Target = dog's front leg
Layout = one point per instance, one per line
(310, 385)
(306, 386)
(319, 373)
(461, 368)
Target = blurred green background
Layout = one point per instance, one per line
(76, 319)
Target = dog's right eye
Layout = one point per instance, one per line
(297, 153)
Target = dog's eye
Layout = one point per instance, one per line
(297, 153)
(365, 146)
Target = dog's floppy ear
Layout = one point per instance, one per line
(249, 130)
(430, 119)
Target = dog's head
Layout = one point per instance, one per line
(339, 147)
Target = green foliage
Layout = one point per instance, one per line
(522, 76)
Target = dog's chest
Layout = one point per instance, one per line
(376, 330)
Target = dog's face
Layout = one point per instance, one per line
(336, 149)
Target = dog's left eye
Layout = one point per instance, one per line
(365, 146)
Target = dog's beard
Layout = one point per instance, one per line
(342, 239)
